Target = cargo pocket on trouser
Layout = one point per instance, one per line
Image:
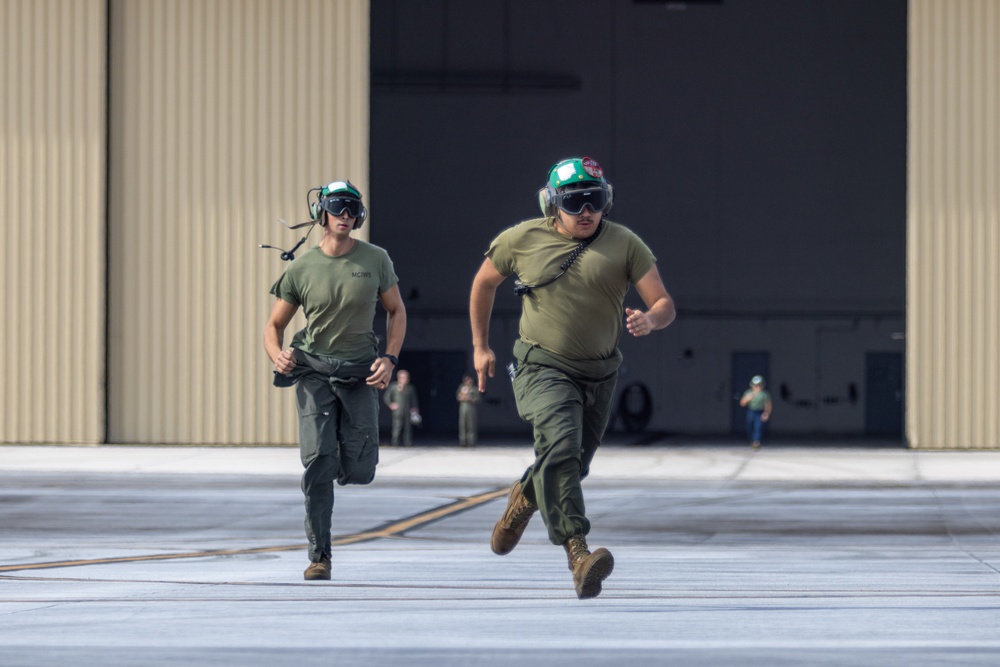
(318, 416)
(525, 377)
(596, 415)
(359, 435)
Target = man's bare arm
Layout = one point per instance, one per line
(660, 306)
(484, 289)
(274, 336)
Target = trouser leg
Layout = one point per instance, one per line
(358, 435)
(319, 450)
(471, 426)
(397, 429)
(461, 423)
(466, 424)
(317, 487)
(754, 425)
(598, 399)
(565, 443)
(407, 430)
(338, 440)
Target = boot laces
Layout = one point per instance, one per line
(521, 513)
(578, 549)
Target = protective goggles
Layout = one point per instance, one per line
(573, 201)
(336, 205)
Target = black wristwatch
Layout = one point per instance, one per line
(393, 358)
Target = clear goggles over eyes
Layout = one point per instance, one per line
(573, 201)
(337, 205)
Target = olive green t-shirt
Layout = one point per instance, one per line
(580, 315)
(758, 400)
(337, 296)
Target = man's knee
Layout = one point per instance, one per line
(356, 476)
(319, 474)
(356, 472)
(357, 466)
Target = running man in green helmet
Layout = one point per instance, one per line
(334, 362)
(573, 269)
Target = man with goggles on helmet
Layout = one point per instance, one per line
(573, 271)
(334, 361)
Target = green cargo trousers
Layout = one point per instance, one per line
(468, 427)
(338, 440)
(569, 415)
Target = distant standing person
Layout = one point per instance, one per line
(758, 404)
(334, 361)
(402, 401)
(468, 397)
(573, 269)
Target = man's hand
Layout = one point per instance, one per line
(637, 322)
(284, 362)
(486, 364)
(660, 309)
(484, 289)
(381, 370)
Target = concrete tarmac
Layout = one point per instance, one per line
(793, 555)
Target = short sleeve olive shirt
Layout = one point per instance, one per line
(338, 297)
(758, 400)
(580, 315)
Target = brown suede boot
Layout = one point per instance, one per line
(507, 533)
(589, 569)
(320, 570)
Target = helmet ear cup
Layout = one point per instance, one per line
(546, 201)
(543, 200)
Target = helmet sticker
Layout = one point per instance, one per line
(591, 167)
(565, 172)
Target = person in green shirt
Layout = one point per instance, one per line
(468, 397)
(573, 269)
(334, 361)
(401, 398)
(757, 401)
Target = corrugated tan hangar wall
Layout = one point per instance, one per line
(953, 225)
(223, 113)
(52, 201)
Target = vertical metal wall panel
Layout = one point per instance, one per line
(223, 114)
(953, 283)
(52, 185)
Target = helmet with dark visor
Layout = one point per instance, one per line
(578, 182)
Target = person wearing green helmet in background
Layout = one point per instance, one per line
(334, 361)
(573, 270)
(757, 401)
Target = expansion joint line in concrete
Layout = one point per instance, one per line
(391, 529)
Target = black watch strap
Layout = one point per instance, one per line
(393, 358)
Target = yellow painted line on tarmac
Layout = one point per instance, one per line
(389, 530)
